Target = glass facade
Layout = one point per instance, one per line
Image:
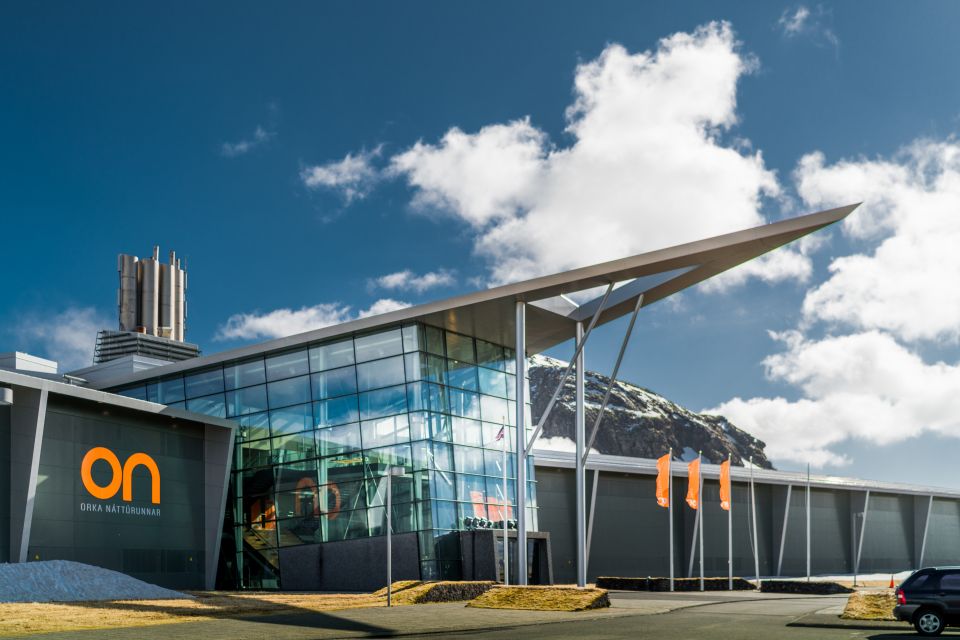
(321, 424)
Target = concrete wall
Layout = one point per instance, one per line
(630, 532)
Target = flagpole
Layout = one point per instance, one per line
(753, 514)
(700, 508)
(808, 522)
(503, 517)
(670, 509)
(729, 528)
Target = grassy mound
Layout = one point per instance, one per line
(803, 587)
(542, 599)
(679, 584)
(870, 605)
(416, 592)
(399, 585)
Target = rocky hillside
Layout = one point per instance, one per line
(638, 422)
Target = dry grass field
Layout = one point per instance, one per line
(542, 598)
(24, 618)
(870, 605)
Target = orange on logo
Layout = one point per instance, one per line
(120, 477)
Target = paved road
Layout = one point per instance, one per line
(698, 616)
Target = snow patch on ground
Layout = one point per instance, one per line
(65, 581)
(559, 443)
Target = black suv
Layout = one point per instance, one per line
(930, 599)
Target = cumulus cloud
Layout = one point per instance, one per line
(353, 177)
(648, 166)
(407, 280)
(286, 322)
(814, 24)
(241, 147)
(864, 386)
(67, 337)
(867, 379)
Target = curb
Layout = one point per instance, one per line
(826, 621)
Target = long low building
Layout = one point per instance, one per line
(855, 526)
(273, 461)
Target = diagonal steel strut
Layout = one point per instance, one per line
(613, 378)
(566, 374)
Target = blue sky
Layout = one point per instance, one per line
(276, 150)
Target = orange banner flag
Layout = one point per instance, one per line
(663, 480)
(693, 484)
(725, 485)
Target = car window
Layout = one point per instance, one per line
(920, 582)
(950, 581)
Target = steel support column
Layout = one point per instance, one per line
(863, 530)
(783, 531)
(580, 434)
(521, 366)
(926, 529)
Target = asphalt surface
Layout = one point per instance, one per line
(735, 615)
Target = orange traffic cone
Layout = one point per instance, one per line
(891, 581)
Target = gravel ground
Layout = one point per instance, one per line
(64, 581)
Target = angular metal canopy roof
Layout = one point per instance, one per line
(551, 318)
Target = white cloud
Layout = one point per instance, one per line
(353, 177)
(863, 386)
(648, 167)
(241, 147)
(67, 337)
(385, 305)
(907, 283)
(408, 280)
(560, 443)
(286, 322)
(896, 296)
(814, 24)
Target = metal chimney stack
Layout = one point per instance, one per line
(152, 296)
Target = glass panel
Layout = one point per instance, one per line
(468, 460)
(494, 409)
(300, 530)
(297, 446)
(347, 525)
(460, 347)
(472, 488)
(380, 373)
(493, 383)
(378, 345)
(510, 360)
(490, 355)
(410, 338)
(244, 374)
(342, 496)
(336, 411)
(384, 402)
(290, 391)
(331, 356)
(287, 365)
(294, 477)
(441, 427)
(171, 390)
(291, 419)
(444, 514)
(404, 519)
(385, 431)
(402, 488)
(248, 400)
(337, 382)
(333, 440)
(342, 468)
(254, 426)
(427, 397)
(152, 393)
(139, 392)
(204, 383)
(462, 375)
(255, 454)
(434, 340)
(464, 403)
(419, 426)
(210, 405)
(444, 486)
(469, 432)
(442, 456)
(376, 461)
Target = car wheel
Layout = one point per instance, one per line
(929, 622)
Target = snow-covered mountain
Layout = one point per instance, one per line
(637, 422)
